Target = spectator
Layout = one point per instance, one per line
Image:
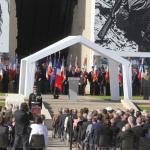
(39, 129)
(22, 127)
(146, 84)
(4, 132)
(105, 128)
(127, 138)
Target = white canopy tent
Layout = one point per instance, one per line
(27, 69)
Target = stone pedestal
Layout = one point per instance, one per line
(14, 99)
(73, 87)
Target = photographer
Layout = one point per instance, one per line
(22, 123)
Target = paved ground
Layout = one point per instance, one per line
(141, 101)
(56, 144)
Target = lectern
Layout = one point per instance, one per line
(73, 87)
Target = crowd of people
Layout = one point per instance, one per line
(88, 130)
(18, 128)
(109, 129)
(9, 79)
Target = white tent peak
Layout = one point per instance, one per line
(27, 69)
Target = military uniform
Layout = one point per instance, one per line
(146, 85)
(35, 99)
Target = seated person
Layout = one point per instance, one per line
(37, 128)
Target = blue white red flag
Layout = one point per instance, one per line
(49, 70)
(107, 73)
(95, 74)
(141, 70)
(63, 69)
(53, 77)
(1, 71)
(70, 65)
(59, 78)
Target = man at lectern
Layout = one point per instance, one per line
(73, 73)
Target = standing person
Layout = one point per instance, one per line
(101, 81)
(42, 79)
(73, 73)
(37, 128)
(146, 84)
(35, 97)
(120, 79)
(21, 127)
(16, 81)
(135, 82)
(83, 81)
(5, 80)
(90, 79)
(66, 83)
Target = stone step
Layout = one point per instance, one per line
(56, 104)
(56, 144)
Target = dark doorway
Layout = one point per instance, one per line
(41, 23)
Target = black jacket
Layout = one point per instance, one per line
(21, 122)
(126, 140)
(35, 98)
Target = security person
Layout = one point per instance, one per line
(35, 98)
(146, 84)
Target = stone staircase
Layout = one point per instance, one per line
(53, 105)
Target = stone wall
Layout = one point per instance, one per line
(13, 29)
(82, 25)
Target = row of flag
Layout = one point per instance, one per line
(12, 68)
(95, 74)
(55, 72)
(141, 70)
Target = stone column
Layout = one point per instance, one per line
(13, 29)
(113, 78)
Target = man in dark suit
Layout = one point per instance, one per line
(22, 127)
(35, 98)
(73, 72)
(5, 80)
(146, 84)
(90, 79)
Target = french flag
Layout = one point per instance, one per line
(10, 70)
(50, 68)
(76, 63)
(95, 74)
(59, 78)
(107, 73)
(53, 77)
(141, 70)
(63, 70)
(1, 71)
